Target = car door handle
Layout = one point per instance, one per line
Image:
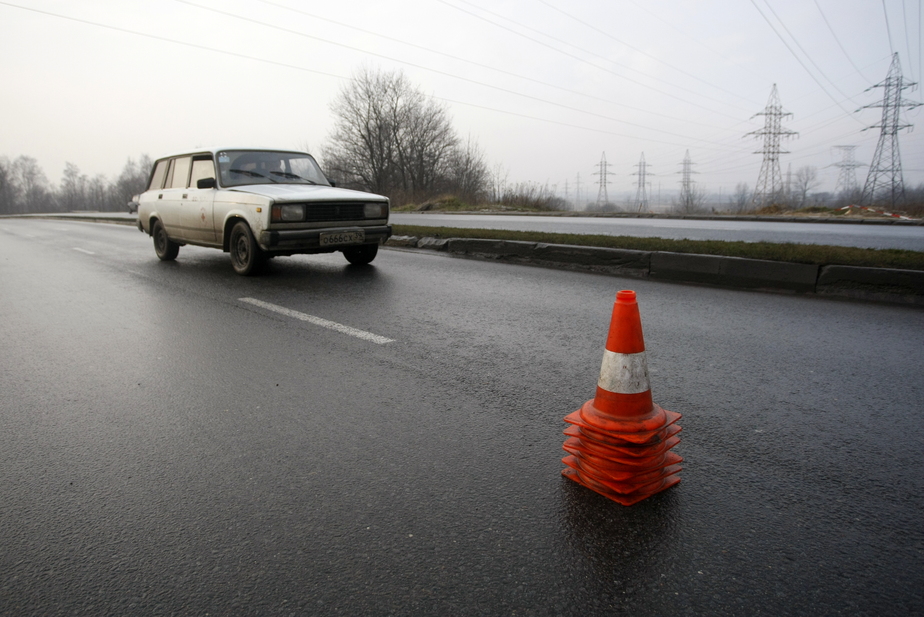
(161, 196)
(184, 195)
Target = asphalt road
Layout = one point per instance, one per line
(907, 237)
(170, 449)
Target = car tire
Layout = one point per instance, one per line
(362, 254)
(166, 249)
(246, 256)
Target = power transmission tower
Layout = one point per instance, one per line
(687, 196)
(641, 195)
(847, 178)
(884, 182)
(577, 192)
(602, 197)
(770, 181)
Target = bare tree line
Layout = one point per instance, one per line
(391, 138)
(25, 189)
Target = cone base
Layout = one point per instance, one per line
(641, 483)
(628, 454)
(629, 448)
(622, 499)
(616, 469)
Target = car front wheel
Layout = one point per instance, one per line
(166, 249)
(246, 256)
(362, 254)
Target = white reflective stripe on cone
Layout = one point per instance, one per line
(624, 373)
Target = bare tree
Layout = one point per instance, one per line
(132, 180)
(391, 138)
(468, 173)
(740, 198)
(691, 202)
(9, 191)
(72, 195)
(806, 180)
(33, 187)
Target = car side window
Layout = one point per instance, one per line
(201, 169)
(160, 172)
(180, 172)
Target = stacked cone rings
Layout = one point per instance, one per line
(619, 442)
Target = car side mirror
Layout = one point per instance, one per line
(206, 183)
(331, 182)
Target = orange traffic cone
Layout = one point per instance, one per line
(618, 443)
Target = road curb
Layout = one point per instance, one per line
(734, 271)
(869, 284)
(853, 282)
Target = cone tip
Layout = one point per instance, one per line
(626, 296)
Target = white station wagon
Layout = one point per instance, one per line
(257, 204)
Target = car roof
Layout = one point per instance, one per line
(214, 151)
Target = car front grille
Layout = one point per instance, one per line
(338, 211)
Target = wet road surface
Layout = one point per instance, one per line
(169, 448)
(907, 237)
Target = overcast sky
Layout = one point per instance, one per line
(544, 86)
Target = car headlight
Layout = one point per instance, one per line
(289, 213)
(375, 211)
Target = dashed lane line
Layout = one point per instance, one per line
(318, 321)
(80, 250)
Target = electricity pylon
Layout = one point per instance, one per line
(687, 197)
(602, 197)
(770, 181)
(641, 195)
(884, 184)
(577, 192)
(847, 178)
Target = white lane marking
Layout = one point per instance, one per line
(84, 251)
(318, 321)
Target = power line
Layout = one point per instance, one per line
(907, 42)
(636, 49)
(802, 49)
(341, 77)
(437, 71)
(888, 29)
(796, 56)
(454, 57)
(579, 59)
(831, 30)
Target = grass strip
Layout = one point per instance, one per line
(795, 253)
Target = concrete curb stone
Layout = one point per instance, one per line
(871, 284)
(734, 271)
(883, 284)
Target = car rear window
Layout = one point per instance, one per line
(157, 178)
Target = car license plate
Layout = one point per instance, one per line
(343, 237)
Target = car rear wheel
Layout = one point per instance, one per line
(166, 249)
(362, 254)
(246, 256)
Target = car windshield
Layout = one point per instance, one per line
(240, 167)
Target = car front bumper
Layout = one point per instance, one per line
(309, 240)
